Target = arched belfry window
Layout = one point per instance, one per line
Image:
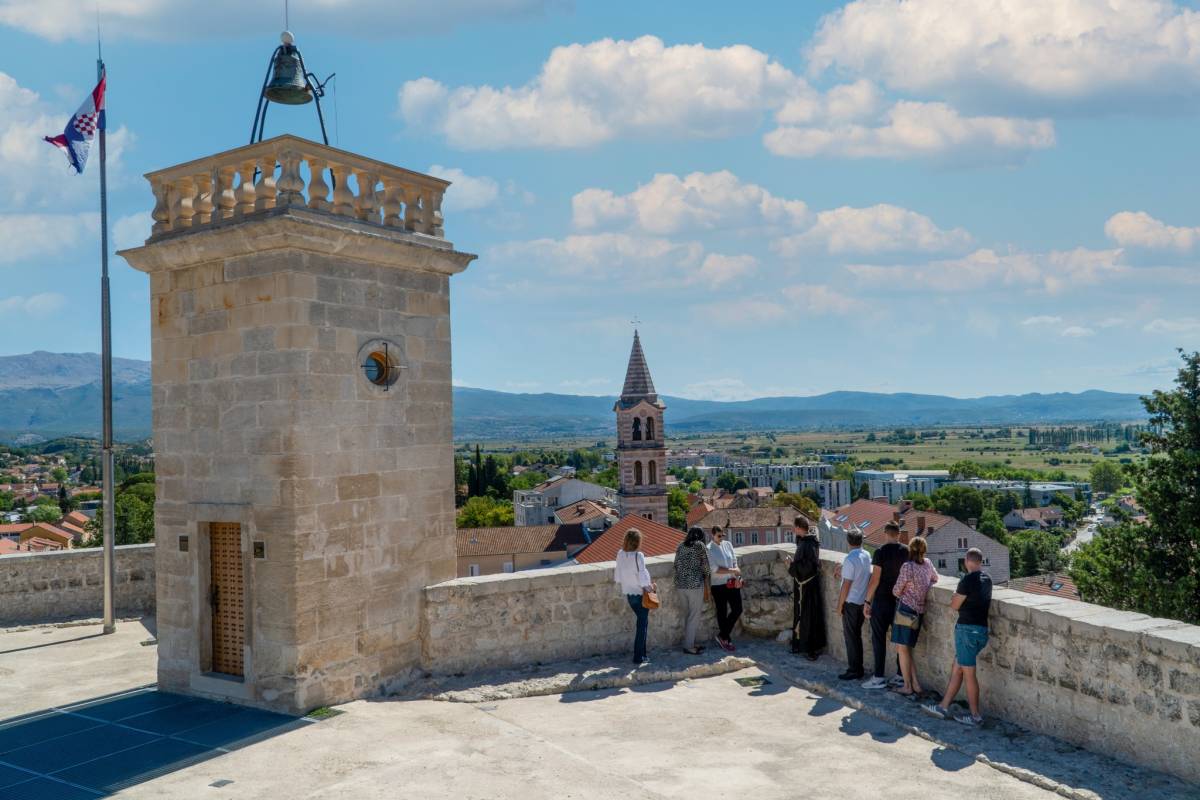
(653, 473)
(637, 429)
(637, 473)
(650, 429)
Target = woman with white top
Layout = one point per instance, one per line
(726, 586)
(634, 578)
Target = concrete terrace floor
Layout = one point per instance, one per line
(703, 737)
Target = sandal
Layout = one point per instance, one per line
(904, 694)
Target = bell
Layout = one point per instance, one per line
(288, 84)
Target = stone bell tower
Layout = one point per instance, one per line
(302, 420)
(641, 445)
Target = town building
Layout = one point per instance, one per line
(1053, 584)
(490, 551)
(896, 484)
(538, 505)
(1040, 494)
(1040, 518)
(641, 445)
(771, 475)
(833, 493)
(948, 539)
(751, 526)
(593, 516)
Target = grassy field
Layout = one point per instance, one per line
(963, 444)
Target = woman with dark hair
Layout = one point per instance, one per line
(692, 581)
(726, 583)
(808, 611)
(634, 578)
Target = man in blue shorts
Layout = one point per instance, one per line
(972, 600)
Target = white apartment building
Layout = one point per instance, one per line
(769, 475)
(895, 484)
(536, 506)
(1043, 493)
(833, 493)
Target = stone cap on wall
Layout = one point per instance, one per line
(1168, 637)
(75, 552)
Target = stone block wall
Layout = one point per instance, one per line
(68, 584)
(1114, 682)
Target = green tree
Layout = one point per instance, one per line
(1106, 476)
(992, 525)
(677, 508)
(864, 491)
(527, 480)
(812, 494)
(485, 512)
(961, 502)
(605, 477)
(1155, 568)
(730, 482)
(1006, 502)
(133, 519)
(695, 486)
(797, 501)
(920, 502)
(1035, 552)
(6, 501)
(58, 474)
(44, 513)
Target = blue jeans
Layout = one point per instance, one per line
(969, 640)
(643, 620)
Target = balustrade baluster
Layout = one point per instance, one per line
(184, 195)
(202, 203)
(343, 198)
(426, 212)
(438, 222)
(412, 208)
(393, 196)
(291, 185)
(161, 212)
(318, 189)
(265, 190)
(364, 204)
(223, 191)
(245, 191)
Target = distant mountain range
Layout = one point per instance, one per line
(57, 394)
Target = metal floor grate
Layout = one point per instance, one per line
(95, 748)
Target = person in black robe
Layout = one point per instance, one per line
(808, 611)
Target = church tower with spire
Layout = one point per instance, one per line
(641, 446)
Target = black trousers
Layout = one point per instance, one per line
(729, 608)
(852, 625)
(883, 609)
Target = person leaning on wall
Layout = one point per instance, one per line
(631, 573)
(693, 585)
(726, 584)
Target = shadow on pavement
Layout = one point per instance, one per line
(100, 746)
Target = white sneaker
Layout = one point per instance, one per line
(874, 683)
(970, 720)
(896, 680)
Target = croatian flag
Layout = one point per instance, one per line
(76, 140)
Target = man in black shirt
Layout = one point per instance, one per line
(972, 600)
(880, 606)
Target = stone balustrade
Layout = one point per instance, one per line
(290, 172)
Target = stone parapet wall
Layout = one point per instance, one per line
(1115, 682)
(66, 584)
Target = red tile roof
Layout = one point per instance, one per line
(583, 511)
(872, 515)
(9, 546)
(657, 540)
(1052, 584)
(15, 528)
(698, 511)
(524, 539)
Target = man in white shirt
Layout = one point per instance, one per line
(856, 575)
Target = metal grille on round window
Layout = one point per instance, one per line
(228, 605)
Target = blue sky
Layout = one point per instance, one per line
(885, 195)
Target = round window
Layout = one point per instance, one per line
(377, 369)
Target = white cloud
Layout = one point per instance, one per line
(1019, 52)
(35, 175)
(590, 93)
(1053, 272)
(1181, 325)
(603, 257)
(878, 229)
(35, 305)
(28, 236)
(817, 299)
(912, 129)
(1139, 229)
(59, 20)
(1077, 332)
(1042, 320)
(805, 299)
(466, 192)
(132, 230)
(669, 204)
(717, 269)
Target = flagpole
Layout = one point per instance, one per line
(106, 386)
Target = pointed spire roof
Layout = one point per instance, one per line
(639, 385)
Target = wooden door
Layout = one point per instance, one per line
(226, 595)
